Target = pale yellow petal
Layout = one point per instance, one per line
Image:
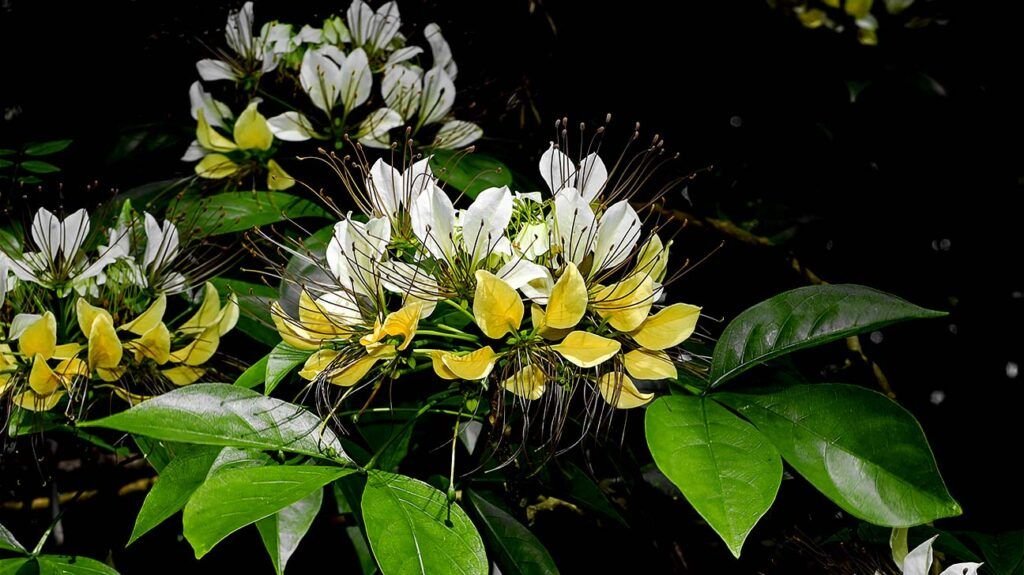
(32, 402)
(252, 131)
(183, 374)
(207, 314)
(200, 349)
(669, 327)
(216, 167)
(291, 332)
(568, 300)
(317, 363)
(228, 316)
(154, 344)
(620, 392)
(105, 349)
(87, 313)
(644, 364)
(625, 304)
(70, 369)
(41, 378)
(403, 323)
(40, 338)
(211, 139)
(497, 307)
(277, 178)
(148, 319)
(653, 258)
(437, 360)
(66, 350)
(352, 373)
(528, 383)
(110, 374)
(471, 366)
(540, 324)
(586, 349)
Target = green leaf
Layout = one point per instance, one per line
(157, 453)
(1003, 553)
(281, 361)
(513, 547)
(469, 173)
(254, 374)
(5, 164)
(726, 469)
(219, 414)
(803, 318)
(388, 435)
(230, 212)
(282, 531)
(39, 167)
(14, 566)
(587, 494)
(7, 152)
(8, 542)
(254, 305)
(858, 447)
(182, 476)
(232, 499)
(72, 565)
(413, 529)
(47, 148)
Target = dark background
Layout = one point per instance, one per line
(912, 186)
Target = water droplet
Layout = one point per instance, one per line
(1012, 369)
(937, 397)
(953, 329)
(735, 121)
(876, 337)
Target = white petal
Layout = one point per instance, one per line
(442, 53)
(539, 290)
(575, 221)
(401, 89)
(592, 176)
(212, 109)
(414, 283)
(356, 80)
(74, 230)
(360, 19)
(485, 220)
(194, 152)
(238, 31)
(212, 70)
(385, 188)
(433, 220)
(403, 55)
(617, 235)
(320, 78)
(438, 96)
(309, 35)
(46, 232)
(919, 561)
(962, 569)
(276, 37)
(161, 243)
(418, 178)
(291, 127)
(373, 132)
(457, 134)
(385, 26)
(556, 169)
(518, 272)
(528, 196)
(533, 240)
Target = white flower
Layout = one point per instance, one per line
(441, 52)
(373, 31)
(218, 114)
(257, 53)
(355, 251)
(478, 232)
(611, 239)
(291, 127)
(559, 173)
(58, 261)
(162, 244)
(329, 76)
(401, 89)
(390, 191)
(457, 134)
(919, 562)
(373, 132)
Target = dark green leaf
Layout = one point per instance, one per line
(254, 305)
(219, 414)
(15, 566)
(513, 547)
(182, 476)
(254, 374)
(858, 447)
(9, 243)
(158, 453)
(1003, 553)
(230, 212)
(47, 148)
(72, 565)
(232, 499)
(413, 529)
(724, 466)
(7, 152)
(8, 542)
(348, 494)
(282, 531)
(388, 437)
(281, 361)
(469, 173)
(586, 493)
(29, 180)
(39, 167)
(5, 164)
(803, 318)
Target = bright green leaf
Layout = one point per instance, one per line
(726, 469)
(469, 173)
(513, 547)
(282, 531)
(232, 499)
(182, 476)
(230, 212)
(47, 148)
(413, 529)
(254, 374)
(72, 565)
(803, 318)
(8, 542)
(14, 566)
(219, 414)
(39, 167)
(858, 447)
(281, 361)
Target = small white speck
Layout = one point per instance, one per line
(937, 397)
(1012, 369)
(953, 329)
(945, 244)
(1017, 294)
(735, 121)
(876, 337)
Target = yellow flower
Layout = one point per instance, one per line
(668, 328)
(471, 366)
(251, 132)
(497, 307)
(625, 304)
(277, 178)
(528, 383)
(644, 364)
(348, 373)
(586, 349)
(403, 322)
(620, 392)
(40, 338)
(568, 300)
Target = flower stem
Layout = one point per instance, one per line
(464, 337)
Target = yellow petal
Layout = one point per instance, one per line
(620, 392)
(87, 314)
(40, 337)
(568, 300)
(625, 304)
(252, 131)
(586, 349)
(404, 323)
(669, 327)
(437, 360)
(527, 383)
(472, 366)
(66, 350)
(211, 139)
(133, 399)
(497, 307)
(32, 402)
(216, 167)
(154, 344)
(317, 363)
(375, 336)
(148, 319)
(644, 364)
(183, 374)
(537, 315)
(41, 379)
(228, 315)
(317, 322)
(69, 369)
(207, 313)
(351, 374)
(291, 332)
(653, 258)
(105, 349)
(110, 374)
(277, 178)
(200, 349)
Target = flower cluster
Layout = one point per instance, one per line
(360, 78)
(535, 294)
(74, 318)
